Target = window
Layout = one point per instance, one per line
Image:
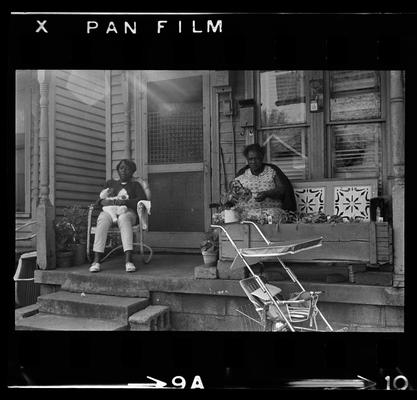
(283, 120)
(22, 140)
(343, 139)
(175, 115)
(355, 126)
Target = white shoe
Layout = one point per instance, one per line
(95, 267)
(130, 267)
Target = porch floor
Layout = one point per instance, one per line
(173, 274)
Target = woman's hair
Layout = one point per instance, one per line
(129, 163)
(254, 147)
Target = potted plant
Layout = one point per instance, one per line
(230, 210)
(76, 216)
(210, 247)
(64, 238)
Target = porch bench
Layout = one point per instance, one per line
(344, 244)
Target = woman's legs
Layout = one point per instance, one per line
(125, 222)
(104, 222)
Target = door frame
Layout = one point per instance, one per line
(180, 241)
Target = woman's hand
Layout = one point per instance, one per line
(119, 202)
(106, 202)
(261, 196)
(114, 202)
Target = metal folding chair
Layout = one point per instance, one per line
(138, 230)
(292, 314)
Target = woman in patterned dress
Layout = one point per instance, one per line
(271, 190)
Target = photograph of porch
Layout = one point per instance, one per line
(337, 135)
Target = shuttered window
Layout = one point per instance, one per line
(355, 125)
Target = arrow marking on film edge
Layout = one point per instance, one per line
(361, 383)
(156, 385)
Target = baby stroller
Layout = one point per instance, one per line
(297, 313)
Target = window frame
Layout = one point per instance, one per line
(27, 110)
(318, 128)
(307, 125)
(328, 124)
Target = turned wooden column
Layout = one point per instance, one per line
(126, 109)
(397, 132)
(35, 135)
(45, 216)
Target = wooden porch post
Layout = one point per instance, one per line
(45, 238)
(397, 132)
(35, 132)
(126, 107)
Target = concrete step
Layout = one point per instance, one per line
(52, 322)
(103, 283)
(152, 318)
(91, 305)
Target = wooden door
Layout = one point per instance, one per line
(175, 155)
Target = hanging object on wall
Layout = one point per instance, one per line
(247, 116)
(316, 95)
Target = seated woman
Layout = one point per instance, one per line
(125, 221)
(271, 190)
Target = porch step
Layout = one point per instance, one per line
(91, 305)
(107, 284)
(152, 318)
(52, 322)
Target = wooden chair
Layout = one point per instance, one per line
(137, 231)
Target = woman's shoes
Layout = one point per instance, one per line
(130, 267)
(95, 267)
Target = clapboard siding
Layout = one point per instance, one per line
(77, 172)
(86, 114)
(79, 139)
(78, 152)
(83, 164)
(94, 77)
(80, 148)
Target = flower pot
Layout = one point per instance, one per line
(210, 257)
(64, 259)
(231, 216)
(79, 253)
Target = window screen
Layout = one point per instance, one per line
(175, 121)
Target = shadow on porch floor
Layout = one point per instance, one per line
(161, 265)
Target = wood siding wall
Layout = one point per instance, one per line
(117, 115)
(33, 129)
(80, 149)
(231, 141)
